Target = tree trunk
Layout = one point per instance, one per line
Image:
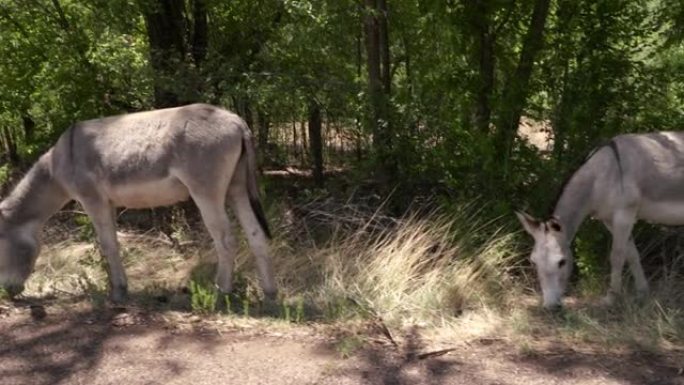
(295, 145)
(165, 24)
(372, 35)
(409, 80)
(316, 140)
(359, 145)
(305, 140)
(200, 38)
(263, 126)
(29, 127)
(383, 34)
(561, 115)
(247, 114)
(565, 12)
(379, 81)
(177, 41)
(515, 93)
(484, 51)
(10, 146)
(359, 72)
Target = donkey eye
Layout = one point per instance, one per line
(561, 263)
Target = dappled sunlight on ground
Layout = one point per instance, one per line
(386, 302)
(94, 346)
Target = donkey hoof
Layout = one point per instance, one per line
(222, 303)
(269, 306)
(556, 308)
(609, 299)
(642, 294)
(14, 290)
(228, 303)
(271, 295)
(119, 295)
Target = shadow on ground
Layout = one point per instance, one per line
(387, 361)
(490, 361)
(49, 352)
(612, 346)
(406, 365)
(98, 345)
(635, 367)
(54, 340)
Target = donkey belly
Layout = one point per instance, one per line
(145, 194)
(666, 213)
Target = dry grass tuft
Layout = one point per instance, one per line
(75, 267)
(420, 269)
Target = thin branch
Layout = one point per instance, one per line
(7, 16)
(37, 6)
(62, 17)
(507, 16)
(5, 13)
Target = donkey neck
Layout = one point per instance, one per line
(574, 203)
(36, 197)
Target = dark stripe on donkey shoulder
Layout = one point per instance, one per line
(613, 146)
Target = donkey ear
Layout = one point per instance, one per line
(530, 223)
(554, 224)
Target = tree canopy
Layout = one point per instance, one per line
(421, 95)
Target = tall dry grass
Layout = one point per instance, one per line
(422, 269)
(457, 275)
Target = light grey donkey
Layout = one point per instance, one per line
(141, 160)
(632, 177)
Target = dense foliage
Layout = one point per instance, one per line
(423, 96)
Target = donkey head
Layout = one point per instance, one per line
(551, 257)
(18, 252)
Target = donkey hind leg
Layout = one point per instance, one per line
(103, 216)
(258, 242)
(621, 230)
(216, 220)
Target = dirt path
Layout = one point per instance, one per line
(88, 347)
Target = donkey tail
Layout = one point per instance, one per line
(252, 187)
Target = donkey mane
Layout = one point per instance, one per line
(609, 143)
(26, 191)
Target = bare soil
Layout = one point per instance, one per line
(80, 344)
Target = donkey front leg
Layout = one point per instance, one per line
(640, 282)
(621, 229)
(103, 217)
